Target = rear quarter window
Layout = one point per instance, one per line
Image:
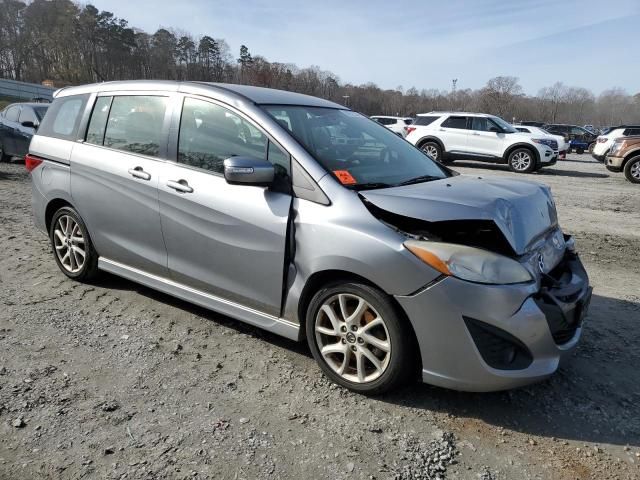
(425, 120)
(63, 117)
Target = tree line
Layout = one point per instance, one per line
(70, 43)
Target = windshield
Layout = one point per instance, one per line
(359, 152)
(507, 127)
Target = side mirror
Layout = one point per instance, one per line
(29, 124)
(248, 171)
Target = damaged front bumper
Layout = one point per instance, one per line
(477, 337)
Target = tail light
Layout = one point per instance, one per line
(31, 162)
(409, 129)
(601, 139)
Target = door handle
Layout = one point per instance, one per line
(475, 133)
(442, 129)
(180, 185)
(138, 172)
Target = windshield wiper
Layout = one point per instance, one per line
(420, 179)
(370, 185)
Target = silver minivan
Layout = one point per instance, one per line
(302, 217)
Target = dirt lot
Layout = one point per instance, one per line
(113, 380)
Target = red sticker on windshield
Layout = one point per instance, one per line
(345, 177)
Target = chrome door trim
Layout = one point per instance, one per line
(263, 320)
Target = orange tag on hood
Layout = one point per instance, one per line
(345, 177)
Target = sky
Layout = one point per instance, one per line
(425, 44)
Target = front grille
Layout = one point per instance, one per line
(499, 349)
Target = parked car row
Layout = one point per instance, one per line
(302, 217)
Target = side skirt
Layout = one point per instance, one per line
(248, 315)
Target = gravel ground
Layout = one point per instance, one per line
(113, 380)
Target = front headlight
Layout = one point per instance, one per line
(615, 147)
(469, 263)
(545, 141)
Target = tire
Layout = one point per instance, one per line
(591, 146)
(433, 150)
(64, 228)
(389, 342)
(3, 156)
(522, 160)
(579, 150)
(632, 169)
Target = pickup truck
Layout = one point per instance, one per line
(18, 123)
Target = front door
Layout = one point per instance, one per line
(485, 137)
(222, 239)
(114, 180)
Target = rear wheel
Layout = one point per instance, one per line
(72, 247)
(433, 150)
(358, 339)
(522, 160)
(632, 170)
(3, 156)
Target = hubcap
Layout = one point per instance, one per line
(68, 243)
(353, 338)
(635, 170)
(431, 150)
(521, 161)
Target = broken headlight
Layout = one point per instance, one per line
(469, 263)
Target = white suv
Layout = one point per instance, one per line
(604, 142)
(447, 136)
(395, 124)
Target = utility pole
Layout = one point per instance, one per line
(454, 83)
(346, 100)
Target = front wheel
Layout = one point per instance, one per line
(72, 247)
(358, 339)
(522, 160)
(632, 170)
(591, 146)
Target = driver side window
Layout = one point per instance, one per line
(209, 134)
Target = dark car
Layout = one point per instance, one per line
(578, 137)
(530, 123)
(18, 123)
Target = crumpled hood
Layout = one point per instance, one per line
(523, 210)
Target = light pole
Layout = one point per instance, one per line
(346, 100)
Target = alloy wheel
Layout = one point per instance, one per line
(431, 150)
(352, 338)
(521, 161)
(635, 170)
(69, 244)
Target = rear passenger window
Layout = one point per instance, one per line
(455, 122)
(425, 120)
(98, 122)
(63, 117)
(135, 124)
(209, 134)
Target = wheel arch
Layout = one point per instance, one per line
(632, 154)
(427, 138)
(52, 207)
(324, 277)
